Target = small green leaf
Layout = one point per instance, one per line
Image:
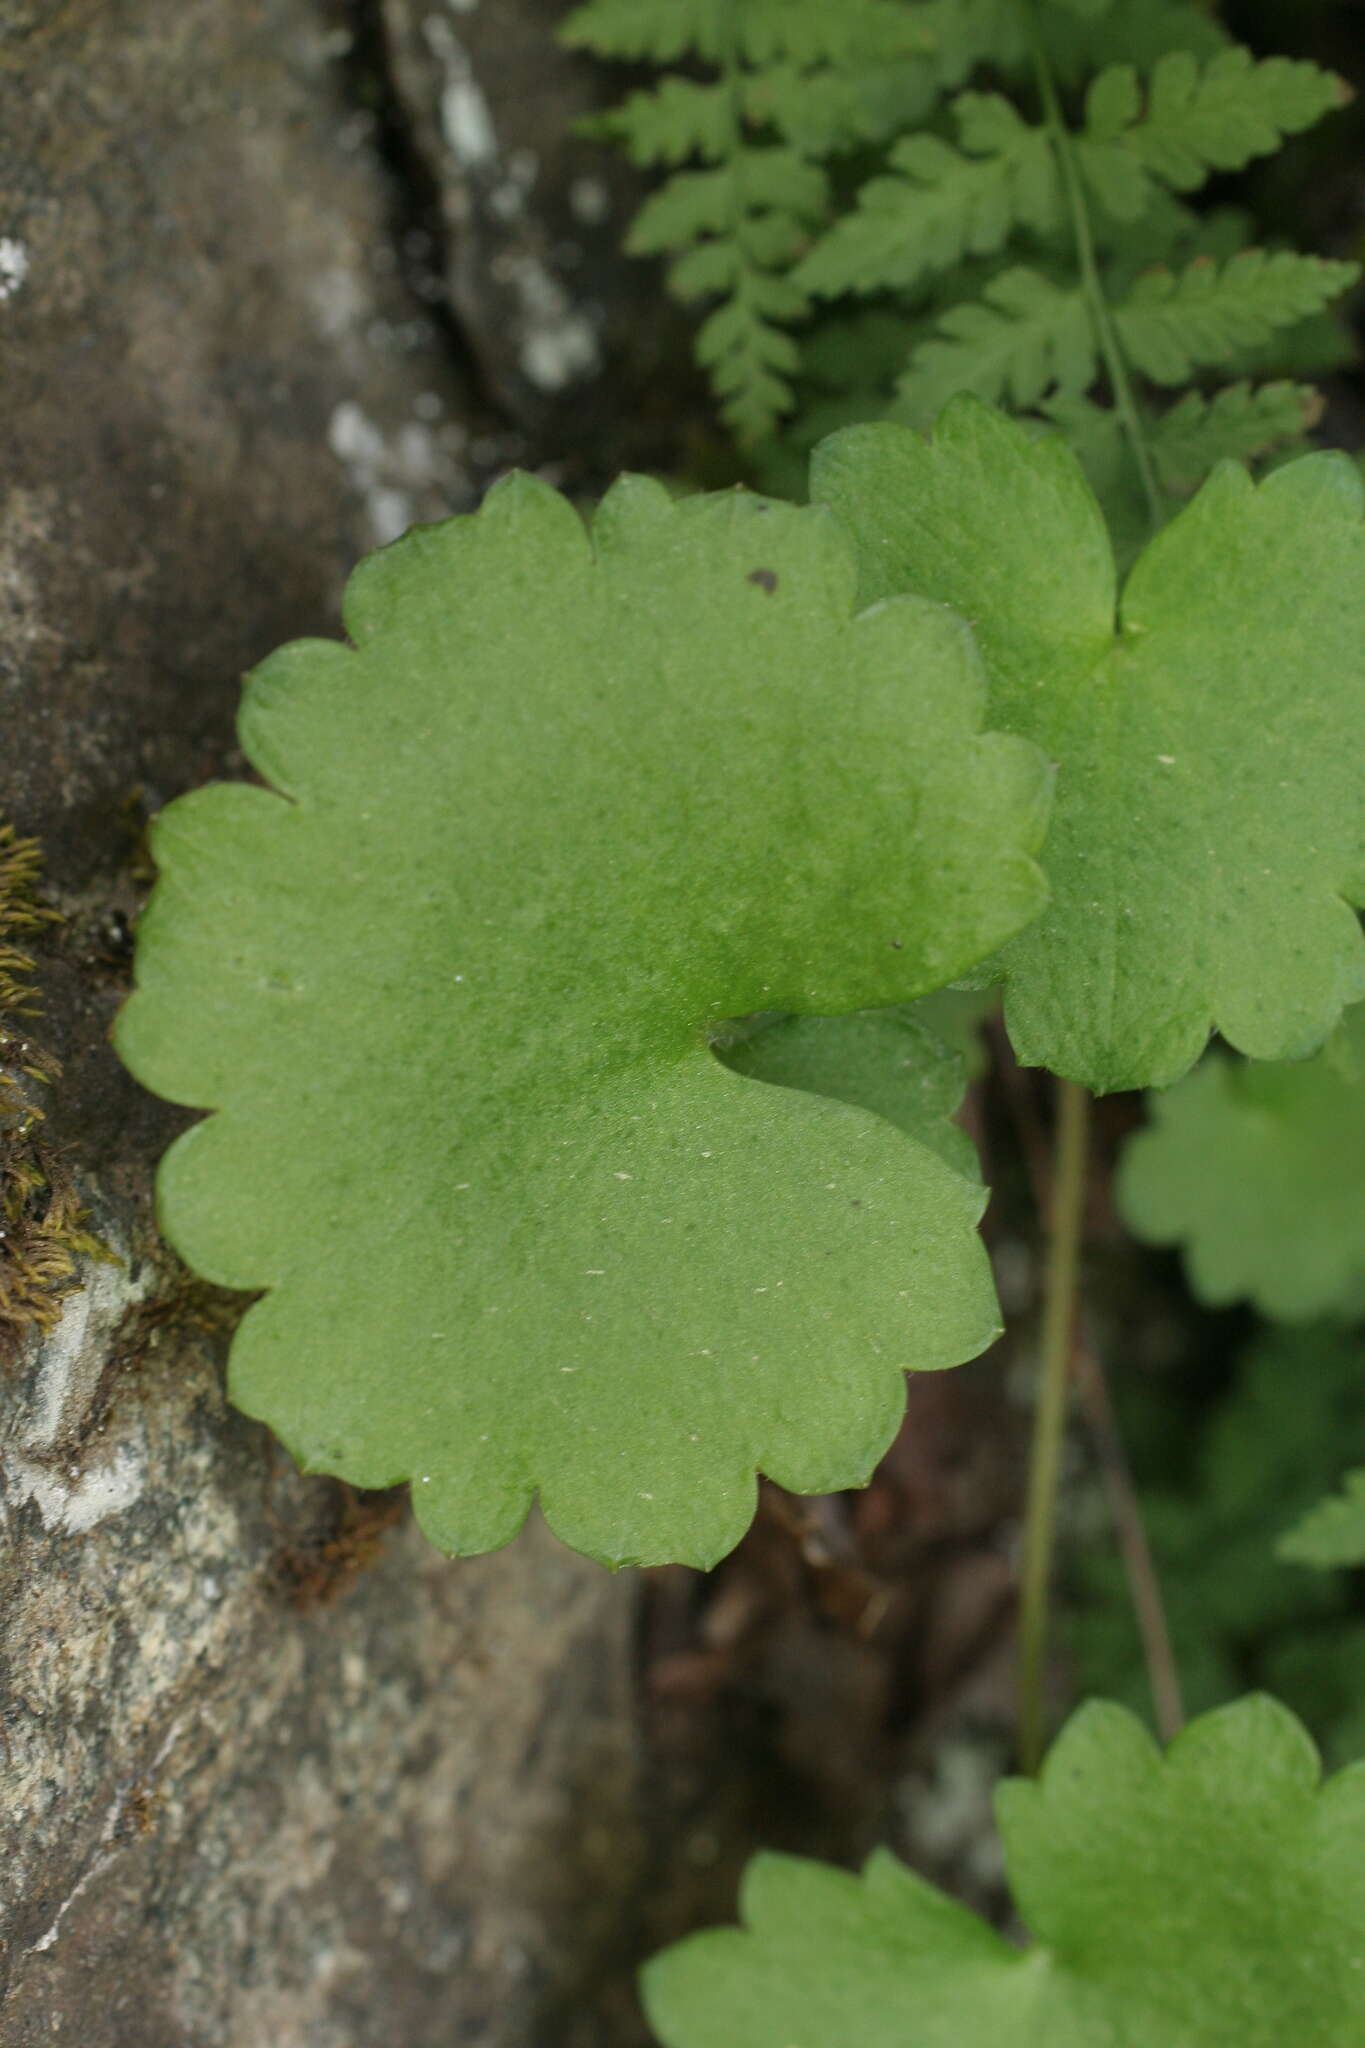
(1209, 832)
(1173, 322)
(1136, 32)
(568, 805)
(1024, 338)
(1333, 1533)
(1195, 120)
(1219, 116)
(1255, 1169)
(889, 1061)
(1239, 423)
(1213, 1897)
(940, 204)
(1217, 1480)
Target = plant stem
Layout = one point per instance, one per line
(1125, 1505)
(1144, 1586)
(1125, 404)
(1049, 1425)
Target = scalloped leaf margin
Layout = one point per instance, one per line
(567, 804)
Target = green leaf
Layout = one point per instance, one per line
(892, 1062)
(1333, 1533)
(941, 204)
(569, 804)
(760, 32)
(1213, 1897)
(962, 34)
(1255, 1170)
(678, 118)
(664, 29)
(1219, 116)
(1238, 423)
(1098, 439)
(1217, 1479)
(1172, 322)
(1025, 338)
(1209, 830)
(795, 81)
(1131, 32)
(740, 225)
(1194, 120)
(751, 359)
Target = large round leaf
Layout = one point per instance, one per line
(567, 805)
(1209, 733)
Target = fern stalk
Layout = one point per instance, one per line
(1092, 287)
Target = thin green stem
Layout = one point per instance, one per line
(1049, 1423)
(1092, 285)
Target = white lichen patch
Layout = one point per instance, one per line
(558, 342)
(466, 118)
(13, 266)
(390, 472)
(554, 341)
(339, 301)
(589, 201)
(72, 1355)
(76, 1485)
(78, 1498)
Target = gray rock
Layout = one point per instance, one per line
(273, 1771)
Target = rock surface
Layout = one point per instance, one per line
(272, 1770)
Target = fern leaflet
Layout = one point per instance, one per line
(794, 82)
(1025, 337)
(1171, 322)
(1195, 120)
(941, 204)
(1239, 423)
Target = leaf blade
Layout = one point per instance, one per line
(568, 802)
(1186, 897)
(1210, 1895)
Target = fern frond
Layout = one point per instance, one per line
(811, 32)
(962, 35)
(679, 118)
(1234, 109)
(1135, 32)
(1024, 338)
(806, 32)
(663, 30)
(1171, 323)
(1242, 422)
(1195, 119)
(732, 198)
(751, 359)
(941, 204)
(1315, 348)
(795, 82)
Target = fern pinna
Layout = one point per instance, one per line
(784, 85)
(843, 166)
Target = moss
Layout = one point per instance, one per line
(42, 1221)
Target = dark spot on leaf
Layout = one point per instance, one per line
(766, 579)
(897, 945)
